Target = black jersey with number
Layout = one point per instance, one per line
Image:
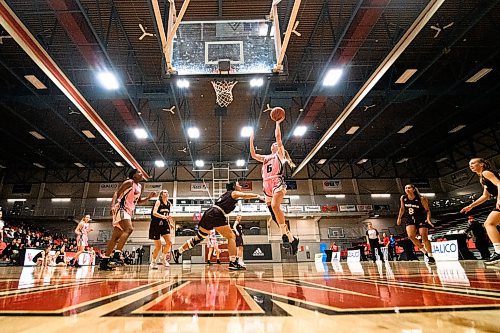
(490, 187)
(163, 209)
(414, 209)
(226, 202)
(239, 228)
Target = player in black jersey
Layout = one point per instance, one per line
(491, 183)
(216, 218)
(238, 231)
(161, 224)
(416, 215)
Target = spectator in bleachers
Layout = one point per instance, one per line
(480, 237)
(491, 183)
(2, 224)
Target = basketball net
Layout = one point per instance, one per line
(224, 92)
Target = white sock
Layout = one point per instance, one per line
(497, 247)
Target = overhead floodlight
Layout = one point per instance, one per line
(60, 199)
(257, 82)
(3, 166)
(183, 83)
(108, 80)
(104, 199)
(406, 75)
(119, 164)
(321, 161)
(405, 129)
(16, 199)
(38, 165)
(193, 132)
(442, 159)
(429, 195)
(80, 165)
(140, 133)
(336, 196)
(332, 77)
(240, 163)
(364, 160)
(37, 135)
(352, 130)
(480, 74)
(88, 134)
(199, 163)
(405, 159)
(380, 196)
(35, 82)
(300, 131)
(456, 129)
(159, 164)
(246, 131)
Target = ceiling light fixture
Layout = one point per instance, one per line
(456, 129)
(159, 164)
(257, 82)
(480, 74)
(193, 132)
(108, 80)
(199, 163)
(246, 131)
(80, 165)
(405, 129)
(352, 130)
(321, 161)
(183, 83)
(406, 75)
(37, 135)
(35, 82)
(140, 133)
(332, 77)
(361, 161)
(300, 131)
(38, 165)
(88, 134)
(119, 164)
(240, 163)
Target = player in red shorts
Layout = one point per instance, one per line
(274, 183)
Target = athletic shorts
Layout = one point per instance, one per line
(239, 240)
(273, 185)
(212, 218)
(121, 214)
(158, 229)
(83, 241)
(417, 222)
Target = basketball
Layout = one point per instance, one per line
(277, 113)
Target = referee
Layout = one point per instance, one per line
(372, 237)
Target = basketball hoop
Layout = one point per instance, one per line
(224, 92)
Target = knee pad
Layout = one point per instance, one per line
(200, 236)
(272, 213)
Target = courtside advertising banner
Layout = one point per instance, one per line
(153, 187)
(353, 256)
(108, 187)
(199, 187)
(445, 251)
(332, 185)
(336, 256)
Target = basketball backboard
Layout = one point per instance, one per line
(248, 45)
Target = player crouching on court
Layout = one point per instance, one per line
(216, 218)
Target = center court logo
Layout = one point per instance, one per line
(258, 253)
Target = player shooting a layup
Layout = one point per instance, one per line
(273, 181)
(216, 217)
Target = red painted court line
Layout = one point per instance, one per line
(58, 299)
(484, 284)
(386, 296)
(199, 296)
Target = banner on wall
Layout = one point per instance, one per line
(353, 256)
(199, 187)
(332, 185)
(295, 209)
(291, 184)
(329, 208)
(108, 187)
(445, 251)
(381, 208)
(460, 176)
(143, 210)
(347, 208)
(153, 187)
(364, 208)
(336, 256)
(257, 252)
(312, 208)
(420, 182)
(246, 185)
